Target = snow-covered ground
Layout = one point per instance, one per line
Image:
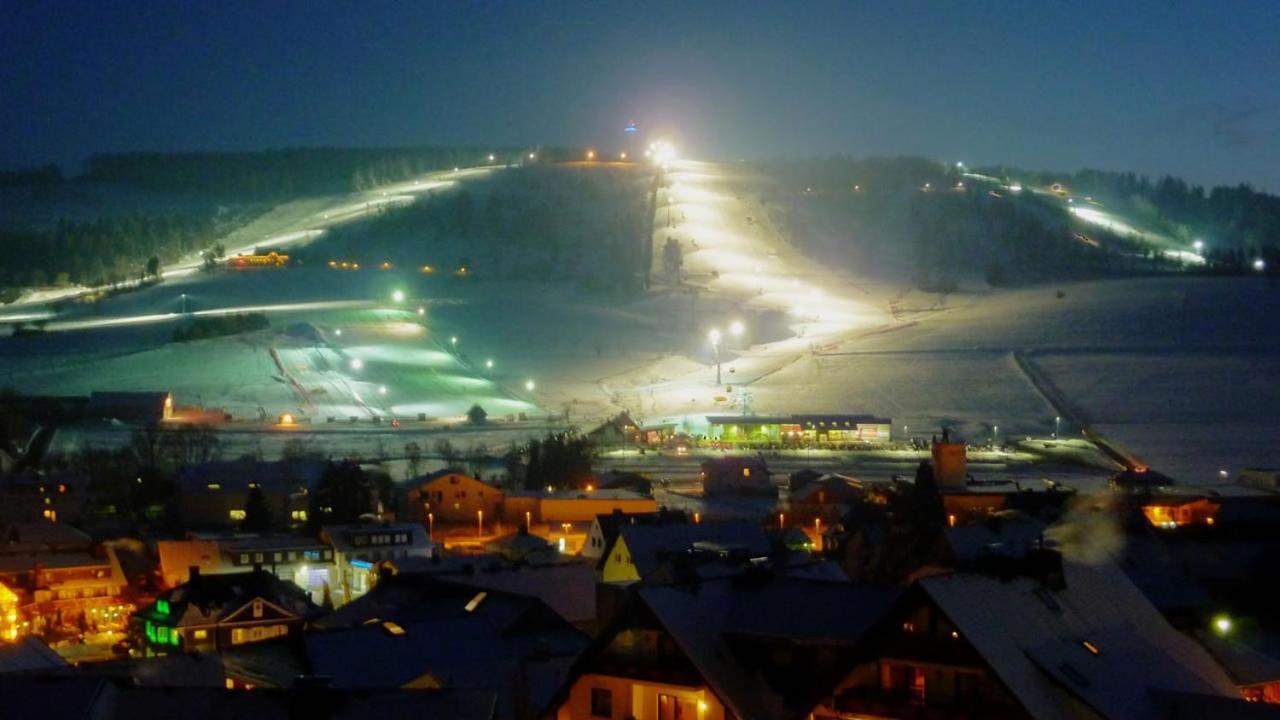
(1179, 371)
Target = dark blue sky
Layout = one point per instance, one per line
(1161, 87)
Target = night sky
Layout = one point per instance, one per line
(1185, 88)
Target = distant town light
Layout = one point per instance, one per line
(591, 154)
(622, 156)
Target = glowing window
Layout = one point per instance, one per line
(475, 601)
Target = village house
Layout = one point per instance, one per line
(619, 430)
(359, 550)
(641, 548)
(59, 579)
(130, 408)
(419, 631)
(212, 495)
(213, 612)
(736, 476)
(1027, 636)
(307, 562)
(605, 527)
(449, 497)
(827, 497)
(748, 647)
(57, 496)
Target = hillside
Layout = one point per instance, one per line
(941, 224)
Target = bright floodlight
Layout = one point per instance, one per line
(382, 389)
(1259, 264)
(398, 296)
(714, 336)
(528, 385)
(356, 363)
(488, 364)
(1222, 624)
(737, 328)
(663, 151)
(491, 158)
(1198, 245)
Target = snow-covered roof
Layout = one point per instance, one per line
(1247, 665)
(709, 620)
(649, 545)
(208, 599)
(29, 654)
(42, 535)
(1033, 638)
(340, 536)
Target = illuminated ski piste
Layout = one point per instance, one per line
(731, 256)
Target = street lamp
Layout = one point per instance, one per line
(356, 363)
(1057, 426)
(528, 385)
(397, 296)
(488, 364)
(491, 157)
(714, 337)
(1259, 264)
(184, 303)
(1198, 245)
(736, 328)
